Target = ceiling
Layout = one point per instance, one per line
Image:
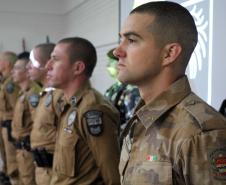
(58, 7)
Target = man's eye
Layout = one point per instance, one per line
(131, 40)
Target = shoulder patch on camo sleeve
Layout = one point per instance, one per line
(217, 159)
(94, 122)
(34, 100)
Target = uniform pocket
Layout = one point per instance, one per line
(148, 172)
(124, 157)
(2, 99)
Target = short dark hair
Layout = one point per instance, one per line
(172, 23)
(81, 49)
(45, 52)
(23, 55)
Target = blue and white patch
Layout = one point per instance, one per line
(48, 99)
(10, 88)
(34, 100)
(94, 122)
(70, 120)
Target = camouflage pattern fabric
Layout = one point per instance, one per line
(177, 139)
(124, 98)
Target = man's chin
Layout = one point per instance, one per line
(52, 84)
(121, 78)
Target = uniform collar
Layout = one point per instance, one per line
(48, 89)
(149, 113)
(77, 97)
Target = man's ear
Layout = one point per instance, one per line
(78, 67)
(170, 53)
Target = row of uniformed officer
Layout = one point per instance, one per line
(87, 151)
(66, 136)
(43, 134)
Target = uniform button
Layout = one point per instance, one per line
(191, 102)
(151, 118)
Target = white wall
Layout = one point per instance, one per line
(98, 22)
(32, 27)
(219, 49)
(95, 20)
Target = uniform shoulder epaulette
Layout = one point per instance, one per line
(206, 117)
(36, 88)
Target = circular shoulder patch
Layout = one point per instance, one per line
(10, 88)
(34, 100)
(217, 159)
(94, 122)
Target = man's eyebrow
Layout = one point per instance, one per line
(130, 33)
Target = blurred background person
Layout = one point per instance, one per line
(8, 96)
(87, 150)
(43, 133)
(22, 121)
(123, 96)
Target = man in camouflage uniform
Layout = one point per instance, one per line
(223, 108)
(43, 134)
(22, 121)
(174, 137)
(8, 95)
(123, 96)
(87, 150)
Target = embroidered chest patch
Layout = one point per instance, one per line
(22, 98)
(70, 120)
(94, 122)
(48, 99)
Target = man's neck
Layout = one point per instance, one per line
(151, 89)
(24, 85)
(73, 87)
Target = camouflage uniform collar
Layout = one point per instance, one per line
(149, 113)
(76, 98)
